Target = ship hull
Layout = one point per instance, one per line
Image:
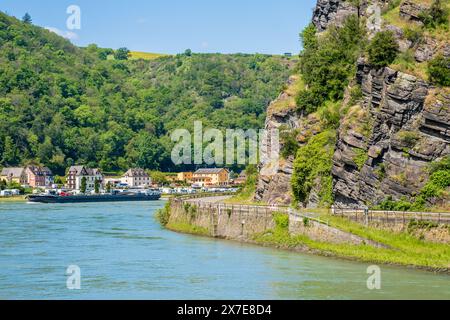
(98, 198)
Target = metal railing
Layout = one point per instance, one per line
(390, 217)
(242, 209)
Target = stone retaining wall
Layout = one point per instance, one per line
(241, 222)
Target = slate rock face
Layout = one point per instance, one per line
(335, 12)
(410, 128)
(426, 50)
(331, 11)
(274, 183)
(411, 11)
(405, 125)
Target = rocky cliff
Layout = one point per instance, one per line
(329, 12)
(386, 142)
(384, 151)
(274, 183)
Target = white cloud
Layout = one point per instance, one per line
(65, 34)
(205, 44)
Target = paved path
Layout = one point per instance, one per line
(215, 199)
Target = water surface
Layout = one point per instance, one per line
(124, 254)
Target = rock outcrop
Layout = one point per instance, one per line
(328, 12)
(408, 128)
(411, 11)
(331, 11)
(386, 143)
(274, 184)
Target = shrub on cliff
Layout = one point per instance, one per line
(328, 62)
(383, 49)
(439, 71)
(312, 168)
(435, 16)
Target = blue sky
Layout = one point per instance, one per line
(171, 26)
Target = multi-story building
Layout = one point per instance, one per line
(76, 175)
(35, 176)
(211, 177)
(136, 177)
(185, 177)
(16, 175)
(49, 177)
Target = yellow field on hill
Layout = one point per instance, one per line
(146, 55)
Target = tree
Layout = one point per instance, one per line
(27, 18)
(122, 54)
(108, 187)
(158, 178)
(327, 62)
(97, 186)
(383, 49)
(3, 184)
(188, 52)
(9, 151)
(308, 37)
(439, 71)
(83, 185)
(144, 151)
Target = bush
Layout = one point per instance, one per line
(306, 222)
(383, 49)
(281, 220)
(413, 35)
(163, 215)
(290, 144)
(314, 161)
(360, 158)
(409, 138)
(309, 100)
(390, 205)
(439, 71)
(436, 16)
(414, 224)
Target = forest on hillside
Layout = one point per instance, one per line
(62, 105)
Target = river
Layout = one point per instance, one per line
(123, 253)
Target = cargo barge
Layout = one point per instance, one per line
(119, 197)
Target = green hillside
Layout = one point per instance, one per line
(60, 104)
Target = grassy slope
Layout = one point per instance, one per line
(405, 62)
(404, 249)
(146, 55)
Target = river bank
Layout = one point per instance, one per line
(341, 238)
(13, 199)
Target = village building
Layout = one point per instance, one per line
(35, 176)
(242, 179)
(14, 175)
(49, 177)
(172, 178)
(185, 177)
(39, 177)
(136, 178)
(211, 177)
(112, 181)
(76, 175)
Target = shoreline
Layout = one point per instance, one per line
(13, 199)
(304, 249)
(354, 242)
